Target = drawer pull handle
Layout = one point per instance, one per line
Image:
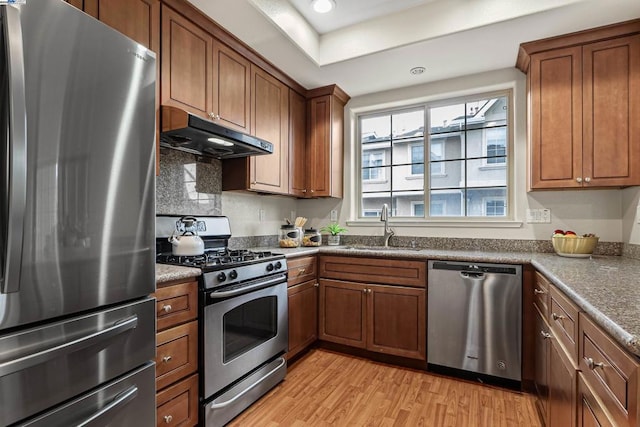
(166, 359)
(167, 308)
(538, 291)
(316, 284)
(546, 335)
(302, 270)
(557, 316)
(593, 365)
(168, 419)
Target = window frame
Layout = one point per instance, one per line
(508, 220)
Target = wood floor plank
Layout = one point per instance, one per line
(326, 388)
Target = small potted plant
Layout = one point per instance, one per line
(334, 230)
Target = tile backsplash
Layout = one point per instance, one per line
(187, 186)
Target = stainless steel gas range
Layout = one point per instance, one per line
(243, 316)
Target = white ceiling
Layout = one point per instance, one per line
(370, 45)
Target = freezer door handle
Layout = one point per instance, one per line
(16, 190)
(38, 357)
(98, 419)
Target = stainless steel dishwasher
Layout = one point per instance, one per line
(474, 318)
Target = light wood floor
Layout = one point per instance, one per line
(331, 389)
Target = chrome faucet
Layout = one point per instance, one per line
(384, 217)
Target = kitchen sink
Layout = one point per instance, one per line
(381, 248)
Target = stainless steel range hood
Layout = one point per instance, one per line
(187, 132)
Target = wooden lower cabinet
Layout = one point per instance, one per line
(177, 353)
(590, 411)
(303, 316)
(541, 356)
(177, 405)
(381, 318)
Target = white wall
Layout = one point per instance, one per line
(243, 210)
(592, 211)
(631, 215)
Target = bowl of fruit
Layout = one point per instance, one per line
(569, 244)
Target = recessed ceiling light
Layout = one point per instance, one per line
(323, 6)
(417, 70)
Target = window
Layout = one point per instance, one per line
(370, 161)
(495, 207)
(417, 159)
(496, 143)
(466, 137)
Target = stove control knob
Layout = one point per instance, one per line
(269, 267)
(222, 277)
(278, 265)
(233, 275)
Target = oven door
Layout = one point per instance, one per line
(242, 330)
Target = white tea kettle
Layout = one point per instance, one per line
(189, 243)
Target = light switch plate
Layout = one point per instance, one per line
(334, 215)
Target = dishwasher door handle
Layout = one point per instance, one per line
(467, 275)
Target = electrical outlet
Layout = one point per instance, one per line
(261, 215)
(292, 217)
(539, 216)
(334, 215)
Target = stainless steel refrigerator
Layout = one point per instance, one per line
(77, 130)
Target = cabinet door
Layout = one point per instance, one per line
(270, 121)
(396, 321)
(298, 145)
(137, 19)
(562, 387)
(590, 413)
(186, 64)
(231, 88)
(555, 85)
(303, 316)
(541, 377)
(342, 312)
(611, 112)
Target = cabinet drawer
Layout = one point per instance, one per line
(176, 353)
(178, 405)
(563, 319)
(374, 270)
(176, 304)
(301, 269)
(590, 413)
(610, 371)
(541, 294)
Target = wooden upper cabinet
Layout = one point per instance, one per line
(186, 64)
(269, 121)
(137, 19)
(297, 145)
(325, 123)
(584, 123)
(231, 88)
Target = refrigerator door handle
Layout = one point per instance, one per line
(38, 357)
(17, 152)
(98, 418)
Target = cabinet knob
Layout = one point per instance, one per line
(211, 115)
(593, 365)
(368, 291)
(304, 191)
(316, 285)
(555, 316)
(166, 359)
(167, 308)
(311, 191)
(364, 290)
(302, 270)
(587, 179)
(168, 419)
(538, 291)
(579, 179)
(545, 335)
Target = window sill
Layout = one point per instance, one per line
(463, 223)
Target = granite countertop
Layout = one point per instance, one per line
(607, 288)
(167, 273)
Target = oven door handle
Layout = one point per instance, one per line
(259, 285)
(281, 360)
